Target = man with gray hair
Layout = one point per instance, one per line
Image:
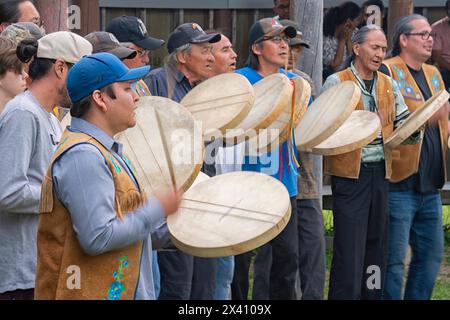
(190, 62)
(418, 171)
(359, 179)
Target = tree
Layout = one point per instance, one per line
(397, 10)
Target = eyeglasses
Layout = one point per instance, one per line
(276, 39)
(425, 35)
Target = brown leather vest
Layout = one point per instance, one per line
(405, 158)
(112, 275)
(348, 165)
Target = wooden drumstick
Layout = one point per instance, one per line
(166, 151)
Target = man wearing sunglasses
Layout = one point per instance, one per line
(269, 53)
(418, 171)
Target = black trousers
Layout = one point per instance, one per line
(27, 294)
(361, 218)
(284, 266)
(185, 277)
(311, 255)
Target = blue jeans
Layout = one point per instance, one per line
(415, 219)
(224, 277)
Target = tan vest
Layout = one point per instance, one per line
(405, 158)
(348, 165)
(112, 275)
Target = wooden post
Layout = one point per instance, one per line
(309, 15)
(397, 10)
(54, 14)
(222, 21)
(89, 14)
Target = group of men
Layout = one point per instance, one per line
(71, 203)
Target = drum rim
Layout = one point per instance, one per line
(352, 104)
(284, 133)
(268, 118)
(396, 138)
(352, 146)
(238, 116)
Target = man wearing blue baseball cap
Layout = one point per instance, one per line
(96, 223)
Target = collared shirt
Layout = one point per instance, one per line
(84, 185)
(374, 151)
(28, 137)
(173, 86)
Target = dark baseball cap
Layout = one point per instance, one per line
(106, 42)
(96, 71)
(132, 29)
(269, 27)
(298, 39)
(190, 33)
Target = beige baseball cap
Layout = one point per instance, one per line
(63, 45)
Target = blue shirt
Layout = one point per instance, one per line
(274, 163)
(174, 86)
(84, 185)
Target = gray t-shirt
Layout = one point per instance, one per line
(28, 137)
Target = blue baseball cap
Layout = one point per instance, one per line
(96, 71)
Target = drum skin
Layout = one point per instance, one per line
(230, 214)
(143, 145)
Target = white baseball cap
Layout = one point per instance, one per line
(63, 45)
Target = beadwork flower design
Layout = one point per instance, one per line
(403, 85)
(436, 83)
(116, 288)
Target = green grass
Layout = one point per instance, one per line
(442, 288)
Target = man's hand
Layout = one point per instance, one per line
(170, 201)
